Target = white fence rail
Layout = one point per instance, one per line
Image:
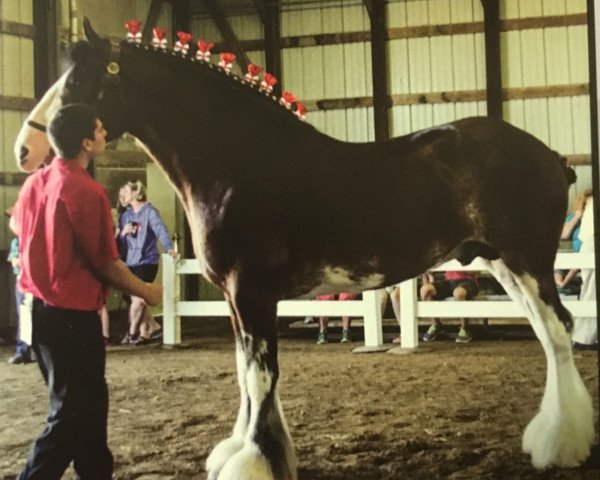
(369, 307)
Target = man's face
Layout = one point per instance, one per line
(98, 145)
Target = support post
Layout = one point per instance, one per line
(45, 46)
(409, 322)
(373, 328)
(381, 101)
(493, 74)
(273, 43)
(171, 319)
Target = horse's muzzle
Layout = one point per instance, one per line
(24, 152)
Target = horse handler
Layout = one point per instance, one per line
(68, 256)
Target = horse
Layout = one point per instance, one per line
(279, 210)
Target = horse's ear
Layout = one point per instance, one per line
(92, 37)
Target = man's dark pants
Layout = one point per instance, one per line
(71, 356)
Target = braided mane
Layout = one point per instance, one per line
(238, 83)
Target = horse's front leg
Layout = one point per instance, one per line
(230, 446)
(260, 447)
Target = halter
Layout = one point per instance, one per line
(111, 77)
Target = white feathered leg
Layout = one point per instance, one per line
(562, 432)
(230, 446)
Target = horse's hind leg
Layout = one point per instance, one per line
(562, 432)
(260, 447)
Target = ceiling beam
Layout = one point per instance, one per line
(152, 19)
(216, 13)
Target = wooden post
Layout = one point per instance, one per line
(181, 16)
(409, 322)
(491, 21)
(151, 19)
(171, 318)
(371, 304)
(594, 66)
(381, 101)
(273, 43)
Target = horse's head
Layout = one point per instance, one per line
(87, 79)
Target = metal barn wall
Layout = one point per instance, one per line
(16, 84)
(553, 56)
(435, 64)
(16, 81)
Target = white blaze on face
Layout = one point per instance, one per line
(35, 141)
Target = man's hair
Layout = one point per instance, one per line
(69, 126)
(138, 189)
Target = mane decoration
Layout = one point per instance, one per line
(203, 54)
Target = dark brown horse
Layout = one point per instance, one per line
(279, 210)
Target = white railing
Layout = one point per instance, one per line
(411, 309)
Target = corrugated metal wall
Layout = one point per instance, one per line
(16, 80)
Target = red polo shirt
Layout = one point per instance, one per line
(66, 232)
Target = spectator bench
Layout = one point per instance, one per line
(411, 308)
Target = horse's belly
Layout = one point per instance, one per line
(337, 279)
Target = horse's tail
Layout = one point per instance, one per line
(570, 174)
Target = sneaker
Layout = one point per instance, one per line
(433, 331)
(464, 336)
(345, 336)
(322, 339)
(20, 359)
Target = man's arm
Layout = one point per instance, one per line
(117, 275)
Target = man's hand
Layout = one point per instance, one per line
(153, 294)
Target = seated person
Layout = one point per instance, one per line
(461, 285)
(568, 279)
(323, 321)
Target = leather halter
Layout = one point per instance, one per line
(36, 125)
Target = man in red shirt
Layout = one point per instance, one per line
(68, 256)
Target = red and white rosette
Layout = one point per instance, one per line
(159, 39)
(253, 71)
(226, 62)
(133, 31)
(287, 98)
(268, 82)
(300, 111)
(182, 45)
(204, 49)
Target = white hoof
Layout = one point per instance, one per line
(561, 438)
(221, 454)
(247, 464)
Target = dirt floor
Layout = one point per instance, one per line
(449, 411)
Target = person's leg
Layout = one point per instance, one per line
(428, 292)
(346, 330)
(395, 296)
(383, 299)
(71, 357)
(136, 312)
(323, 321)
(149, 326)
(464, 291)
(23, 352)
(346, 296)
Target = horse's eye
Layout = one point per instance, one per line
(74, 82)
